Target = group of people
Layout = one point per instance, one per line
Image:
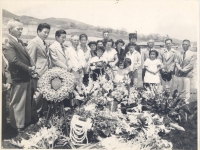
(24, 65)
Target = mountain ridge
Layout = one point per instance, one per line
(73, 26)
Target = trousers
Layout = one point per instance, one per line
(39, 104)
(183, 84)
(20, 104)
(133, 75)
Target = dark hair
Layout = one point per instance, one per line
(119, 41)
(109, 40)
(59, 32)
(131, 44)
(41, 26)
(121, 62)
(186, 40)
(106, 31)
(83, 35)
(99, 41)
(92, 42)
(100, 48)
(168, 40)
(154, 52)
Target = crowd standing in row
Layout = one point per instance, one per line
(85, 60)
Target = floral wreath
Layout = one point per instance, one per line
(56, 84)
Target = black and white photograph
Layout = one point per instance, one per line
(115, 74)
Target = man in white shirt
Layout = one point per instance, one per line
(135, 63)
(75, 58)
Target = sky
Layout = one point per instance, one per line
(178, 19)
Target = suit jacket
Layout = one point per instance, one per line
(75, 60)
(39, 53)
(57, 55)
(187, 64)
(18, 59)
(168, 62)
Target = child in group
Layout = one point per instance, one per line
(122, 71)
(135, 58)
(152, 66)
(97, 63)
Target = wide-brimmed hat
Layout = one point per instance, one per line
(92, 42)
(166, 76)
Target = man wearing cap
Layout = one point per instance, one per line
(184, 68)
(167, 57)
(132, 39)
(145, 55)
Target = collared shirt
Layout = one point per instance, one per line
(167, 52)
(59, 44)
(13, 37)
(135, 59)
(40, 40)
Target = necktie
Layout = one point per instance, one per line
(62, 47)
(46, 49)
(184, 54)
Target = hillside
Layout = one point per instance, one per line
(73, 27)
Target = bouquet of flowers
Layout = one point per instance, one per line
(166, 104)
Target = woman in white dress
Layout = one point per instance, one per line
(83, 38)
(111, 57)
(152, 66)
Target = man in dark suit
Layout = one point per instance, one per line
(39, 53)
(21, 68)
(119, 44)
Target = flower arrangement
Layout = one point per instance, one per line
(45, 138)
(166, 104)
(63, 84)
